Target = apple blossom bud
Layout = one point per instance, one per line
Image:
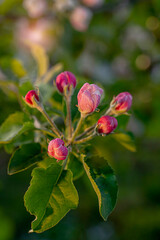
(66, 79)
(89, 98)
(56, 149)
(106, 124)
(29, 97)
(123, 102)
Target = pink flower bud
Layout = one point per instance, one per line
(65, 79)
(29, 97)
(89, 98)
(124, 102)
(57, 149)
(107, 124)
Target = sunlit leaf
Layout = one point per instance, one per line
(51, 72)
(125, 140)
(25, 138)
(14, 125)
(75, 165)
(26, 156)
(104, 183)
(18, 68)
(40, 56)
(50, 196)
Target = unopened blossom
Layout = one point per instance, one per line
(29, 97)
(123, 102)
(80, 18)
(65, 79)
(57, 150)
(106, 124)
(89, 98)
(38, 32)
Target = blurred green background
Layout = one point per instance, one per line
(115, 43)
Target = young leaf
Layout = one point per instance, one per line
(50, 196)
(52, 71)
(18, 68)
(104, 184)
(125, 140)
(40, 57)
(14, 125)
(76, 166)
(26, 156)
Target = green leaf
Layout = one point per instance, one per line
(40, 56)
(14, 125)
(18, 68)
(51, 72)
(50, 196)
(23, 158)
(25, 138)
(7, 5)
(46, 91)
(125, 140)
(76, 166)
(25, 87)
(104, 183)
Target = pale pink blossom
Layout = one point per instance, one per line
(89, 98)
(35, 31)
(80, 18)
(35, 8)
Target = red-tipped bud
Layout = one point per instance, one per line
(66, 80)
(106, 124)
(123, 102)
(89, 98)
(56, 149)
(29, 97)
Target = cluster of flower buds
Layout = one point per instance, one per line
(89, 97)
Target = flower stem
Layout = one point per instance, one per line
(85, 139)
(65, 162)
(40, 108)
(53, 125)
(46, 132)
(69, 119)
(108, 112)
(83, 116)
(88, 130)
